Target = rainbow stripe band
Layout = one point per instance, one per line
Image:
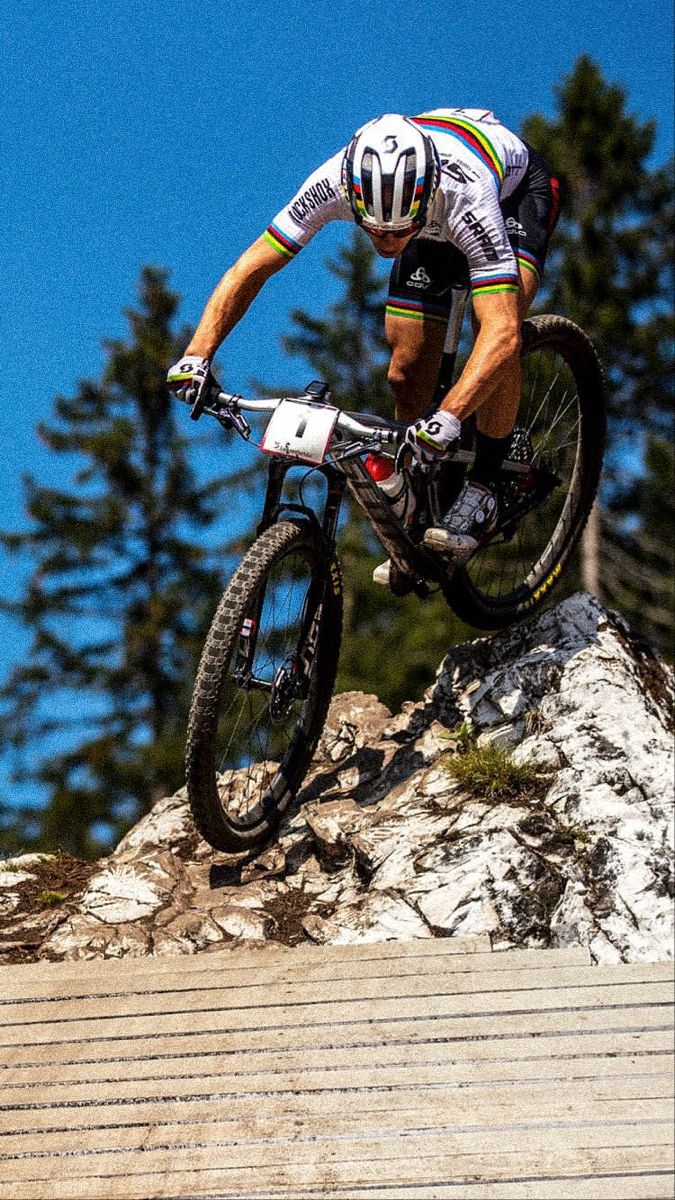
(471, 136)
(417, 198)
(417, 310)
(528, 261)
(281, 242)
(358, 196)
(496, 283)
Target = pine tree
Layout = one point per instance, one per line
(610, 270)
(116, 605)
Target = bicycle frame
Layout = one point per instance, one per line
(348, 470)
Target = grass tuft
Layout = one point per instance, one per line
(50, 899)
(489, 772)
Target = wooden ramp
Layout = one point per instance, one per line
(428, 1069)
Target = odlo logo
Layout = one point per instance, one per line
(419, 279)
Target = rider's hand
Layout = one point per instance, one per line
(188, 378)
(432, 438)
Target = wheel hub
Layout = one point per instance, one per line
(287, 688)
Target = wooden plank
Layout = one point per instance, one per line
(47, 978)
(344, 1032)
(397, 1158)
(387, 1151)
(451, 1105)
(652, 1185)
(243, 1076)
(613, 1187)
(86, 981)
(429, 1085)
(530, 981)
(256, 957)
(596, 1187)
(551, 1046)
(605, 1187)
(329, 1011)
(571, 1116)
(340, 1079)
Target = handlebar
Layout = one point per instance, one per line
(361, 425)
(228, 407)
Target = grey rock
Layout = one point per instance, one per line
(383, 842)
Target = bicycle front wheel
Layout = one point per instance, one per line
(263, 687)
(560, 431)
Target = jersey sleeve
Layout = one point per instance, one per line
(476, 226)
(319, 200)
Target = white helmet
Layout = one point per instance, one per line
(390, 173)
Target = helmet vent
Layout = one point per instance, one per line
(409, 181)
(367, 182)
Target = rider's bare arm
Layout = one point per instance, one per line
(233, 295)
(495, 353)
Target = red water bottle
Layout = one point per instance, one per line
(394, 485)
(379, 466)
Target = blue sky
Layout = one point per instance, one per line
(172, 133)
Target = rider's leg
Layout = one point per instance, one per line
(416, 347)
(533, 209)
(497, 414)
(419, 303)
(415, 325)
(475, 512)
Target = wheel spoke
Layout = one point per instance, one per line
(549, 419)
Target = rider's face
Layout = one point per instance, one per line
(389, 246)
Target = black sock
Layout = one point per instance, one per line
(489, 454)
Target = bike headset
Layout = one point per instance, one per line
(390, 173)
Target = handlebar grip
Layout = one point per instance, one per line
(207, 396)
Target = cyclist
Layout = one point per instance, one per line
(451, 196)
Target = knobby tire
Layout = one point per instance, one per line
(486, 609)
(276, 549)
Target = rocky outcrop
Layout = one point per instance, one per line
(384, 841)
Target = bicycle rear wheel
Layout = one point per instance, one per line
(263, 687)
(560, 431)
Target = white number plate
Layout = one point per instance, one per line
(300, 430)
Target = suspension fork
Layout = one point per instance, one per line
(272, 508)
(274, 505)
(328, 578)
(248, 636)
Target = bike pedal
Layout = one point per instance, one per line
(387, 575)
(442, 542)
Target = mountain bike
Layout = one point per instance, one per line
(267, 671)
